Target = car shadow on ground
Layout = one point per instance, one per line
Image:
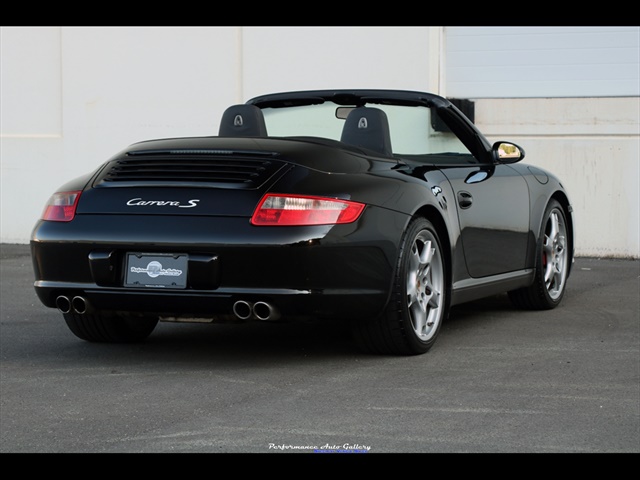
(281, 340)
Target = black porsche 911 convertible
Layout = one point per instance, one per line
(380, 207)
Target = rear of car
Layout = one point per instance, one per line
(187, 229)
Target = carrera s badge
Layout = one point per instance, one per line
(138, 202)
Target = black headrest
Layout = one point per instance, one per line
(368, 128)
(242, 121)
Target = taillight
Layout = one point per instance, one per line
(61, 207)
(278, 209)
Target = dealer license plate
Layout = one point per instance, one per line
(155, 270)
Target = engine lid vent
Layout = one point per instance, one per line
(224, 168)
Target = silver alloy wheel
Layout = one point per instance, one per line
(425, 285)
(555, 254)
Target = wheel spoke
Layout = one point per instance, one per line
(414, 259)
(557, 278)
(547, 260)
(412, 289)
(434, 300)
(550, 240)
(427, 253)
(412, 275)
(554, 222)
(418, 317)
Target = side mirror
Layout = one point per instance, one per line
(507, 152)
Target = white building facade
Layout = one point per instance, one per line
(73, 96)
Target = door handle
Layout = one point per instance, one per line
(464, 199)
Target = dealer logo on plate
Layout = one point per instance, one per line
(154, 269)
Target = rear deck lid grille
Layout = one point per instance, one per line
(222, 168)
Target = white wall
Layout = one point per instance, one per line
(71, 97)
(301, 58)
(532, 61)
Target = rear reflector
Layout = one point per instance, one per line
(287, 210)
(61, 207)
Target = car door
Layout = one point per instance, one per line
(492, 202)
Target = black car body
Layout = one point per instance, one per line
(380, 207)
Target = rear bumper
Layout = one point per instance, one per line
(220, 305)
(329, 271)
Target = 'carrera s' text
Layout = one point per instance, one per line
(161, 203)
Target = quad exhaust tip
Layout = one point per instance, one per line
(80, 305)
(63, 303)
(242, 310)
(260, 310)
(265, 311)
(77, 304)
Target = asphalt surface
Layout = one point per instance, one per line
(498, 380)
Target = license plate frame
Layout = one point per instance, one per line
(156, 270)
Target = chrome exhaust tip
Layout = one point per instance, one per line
(265, 311)
(242, 309)
(63, 304)
(80, 305)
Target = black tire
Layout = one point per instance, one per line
(110, 329)
(552, 263)
(419, 300)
